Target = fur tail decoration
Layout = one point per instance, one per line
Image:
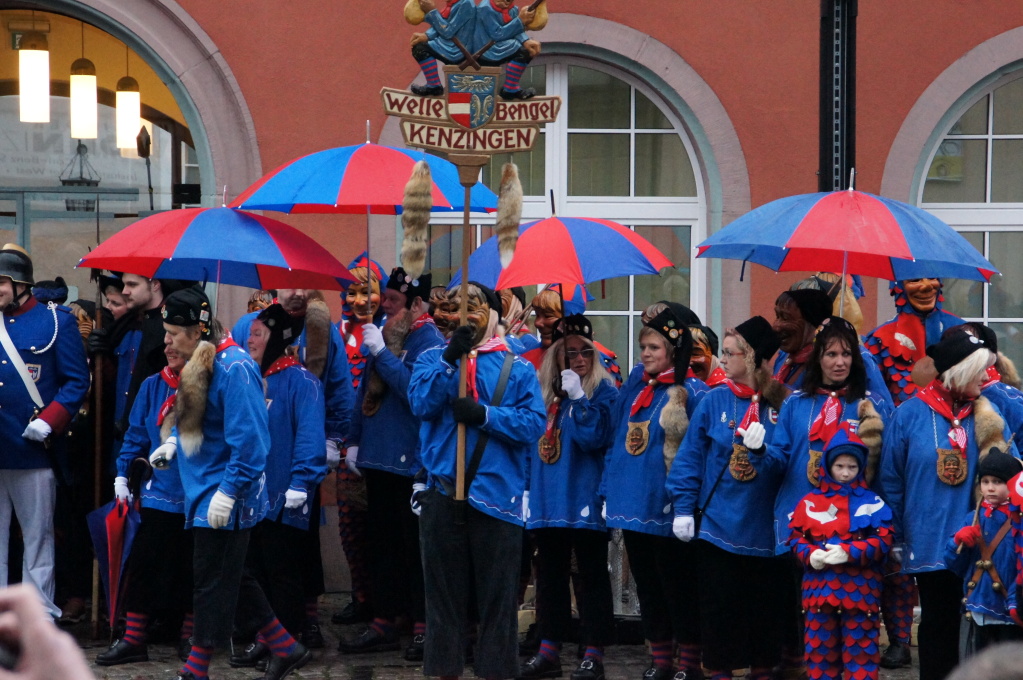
(190, 405)
(988, 427)
(1006, 367)
(317, 337)
(415, 219)
(870, 429)
(509, 212)
(674, 422)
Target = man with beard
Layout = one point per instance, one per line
(383, 444)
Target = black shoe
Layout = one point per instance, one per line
(527, 93)
(590, 668)
(684, 674)
(427, 90)
(370, 641)
(185, 675)
(896, 656)
(280, 667)
(122, 652)
(249, 655)
(530, 644)
(414, 652)
(354, 612)
(312, 638)
(539, 667)
(656, 672)
(262, 663)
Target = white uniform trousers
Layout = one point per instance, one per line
(32, 494)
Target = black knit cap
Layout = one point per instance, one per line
(712, 337)
(169, 286)
(998, 464)
(688, 316)
(986, 334)
(188, 307)
(51, 291)
(954, 346)
(678, 335)
(284, 331)
(493, 301)
(520, 293)
(813, 304)
(409, 287)
(758, 334)
(114, 281)
(573, 324)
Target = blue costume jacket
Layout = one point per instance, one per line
(294, 401)
(739, 516)
(163, 491)
(125, 354)
(490, 25)
(60, 372)
(791, 445)
(565, 493)
(633, 485)
(461, 24)
(389, 439)
(983, 599)
(514, 428)
(1009, 402)
(235, 444)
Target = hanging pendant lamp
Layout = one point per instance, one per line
(129, 105)
(83, 97)
(34, 78)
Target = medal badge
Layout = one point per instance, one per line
(739, 464)
(813, 467)
(550, 448)
(951, 467)
(637, 437)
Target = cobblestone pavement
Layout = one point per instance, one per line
(622, 662)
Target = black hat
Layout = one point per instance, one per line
(114, 281)
(409, 287)
(679, 337)
(284, 331)
(520, 293)
(493, 301)
(712, 337)
(813, 304)
(758, 334)
(169, 286)
(573, 324)
(998, 464)
(51, 291)
(16, 264)
(688, 316)
(986, 334)
(954, 346)
(188, 307)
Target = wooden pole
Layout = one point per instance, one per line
(97, 421)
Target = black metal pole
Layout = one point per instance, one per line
(149, 178)
(837, 93)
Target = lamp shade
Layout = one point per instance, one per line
(34, 78)
(129, 104)
(83, 100)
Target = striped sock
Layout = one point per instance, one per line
(280, 642)
(312, 611)
(382, 626)
(760, 674)
(720, 675)
(419, 628)
(513, 74)
(187, 626)
(135, 628)
(594, 652)
(198, 663)
(688, 657)
(661, 651)
(429, 68)
(550, 650)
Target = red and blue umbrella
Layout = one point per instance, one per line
(849, 231)
(367, 178)
(572, 251)
(221, 245)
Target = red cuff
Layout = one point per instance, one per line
(56, 416)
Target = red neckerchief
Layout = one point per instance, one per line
(793, 364)
(446, 12)
(505, 13)
(753, 410)
(282, 363)
(716, 377)
(226, 342)
(988, 508)
(993, 376)
(552, 420)
(173, 380)
(646, 395)
(825, 425)
(940, 400)
(494, 344)
(421, 321)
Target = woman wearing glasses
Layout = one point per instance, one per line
(563, 510)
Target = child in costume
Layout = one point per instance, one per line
(983, 554)
(842, 532)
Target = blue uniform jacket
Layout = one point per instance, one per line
(294, 404)
(566, 493)
(461, 24)
(235, 444)
(61, 374)
(925, 510)
(1009, 402)
(790, 445)
(125, 354)
(163, 491)
(514, 428)
(985, 600)
(875, 381)
(389, 439)
(633, 486)
(507, 37)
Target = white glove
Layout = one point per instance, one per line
(372, 338)
(817, 558)
(571, 383)
(417, 487)
(895, 554)
(603, 511)
(293, 498)
(333, 454)
(37, 431)
(351, 460)
(752, 436)
(525, 505)
(836, 555)
(121, 492)
(684, 527)
(164, 454)
(219, 512)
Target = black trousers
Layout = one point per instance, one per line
(310, 567)
(159, 566)
(393, 533)
(465, 549)
(941, 594)
(226, 594)
(665, 573)
(553, 597)
(272, 560)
